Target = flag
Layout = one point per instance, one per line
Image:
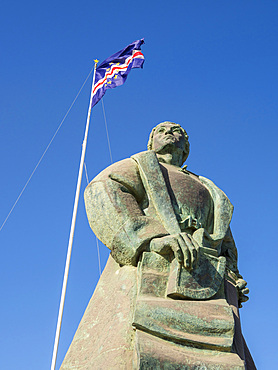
(113, 71)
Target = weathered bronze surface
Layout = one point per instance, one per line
(169, 295)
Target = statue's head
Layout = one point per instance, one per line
(169, 136)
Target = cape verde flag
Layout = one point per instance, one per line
(113, 71)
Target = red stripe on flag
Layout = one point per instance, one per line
(110, 73)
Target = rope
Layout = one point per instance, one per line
(107, 131)
(86, 173)
(87, 177)
(41, 158)
(98, 253)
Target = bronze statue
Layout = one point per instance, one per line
(169, 295)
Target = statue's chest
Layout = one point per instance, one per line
(188, 195)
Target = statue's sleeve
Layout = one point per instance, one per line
(114, 203)
(229, 250)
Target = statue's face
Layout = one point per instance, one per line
(169, 135)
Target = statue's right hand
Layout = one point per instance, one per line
(183, 248)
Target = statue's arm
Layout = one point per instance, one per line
(114, 205)
(229, 250)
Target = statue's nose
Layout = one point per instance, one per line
(168, 131)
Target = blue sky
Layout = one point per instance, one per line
(210, 66)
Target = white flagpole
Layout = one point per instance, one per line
(66, 273)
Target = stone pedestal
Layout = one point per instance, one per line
(122, 330)
(156, 353)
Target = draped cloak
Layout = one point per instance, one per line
(148, 312)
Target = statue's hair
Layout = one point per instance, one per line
(186, 147)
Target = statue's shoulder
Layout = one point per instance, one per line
(125, 167)
(122, 173)
(213, 187)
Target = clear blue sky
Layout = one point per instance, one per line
(210, 65)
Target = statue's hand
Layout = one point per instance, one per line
(185, 249)
(242, 291)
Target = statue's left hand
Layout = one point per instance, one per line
(242, 291)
